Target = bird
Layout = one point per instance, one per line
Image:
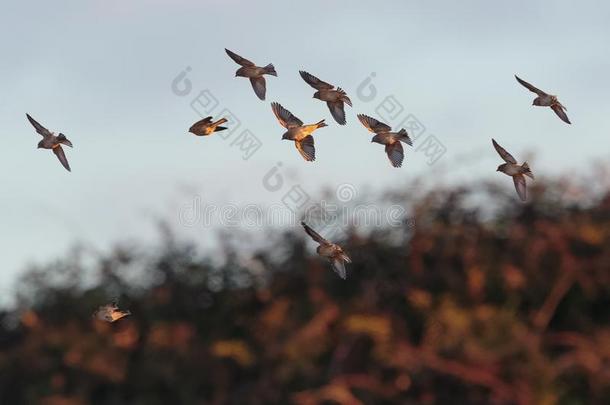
(52, 141)
(335, 99)
(546, 100)
(206, 127)
(110, 313)
(384, 136)
(516, 171)
(333, 252)
(297, 132)
(254, 73)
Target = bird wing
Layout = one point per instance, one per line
(206, 120)
(508, 158)
(39, 128)
(339, 267)
(118, 314)
(373, 125)
(337, 109)
(259, 86)
(59, 152)
(285, 117)
(306, 148)
(530, 87)
(520, 186)
(558, 108)
(395, 153)
(238, 59)
(314, 235)
(314, 81)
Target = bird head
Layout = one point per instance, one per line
(285, 136)
(39, 145)
(316, 95)
(499, 169)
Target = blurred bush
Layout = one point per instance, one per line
(458, 306)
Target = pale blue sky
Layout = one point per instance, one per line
(101, 72)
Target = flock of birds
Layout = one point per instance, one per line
(302, 135)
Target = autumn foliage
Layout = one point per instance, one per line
(457, 306)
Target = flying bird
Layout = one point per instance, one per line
(516, 171)
(297, 132)
(110, 313)
(331, 251)
(384, 136)
(206, 127)
(335, 99)
(253, 72)
(52, 141)
(546, 100)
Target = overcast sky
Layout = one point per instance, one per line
(105, 73)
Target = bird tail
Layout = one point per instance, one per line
(321, 124)
(404, 136)
(345, 258)
(344, 96)
(527, 171)
(220, 121)
(270, 70)
(61, 138)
